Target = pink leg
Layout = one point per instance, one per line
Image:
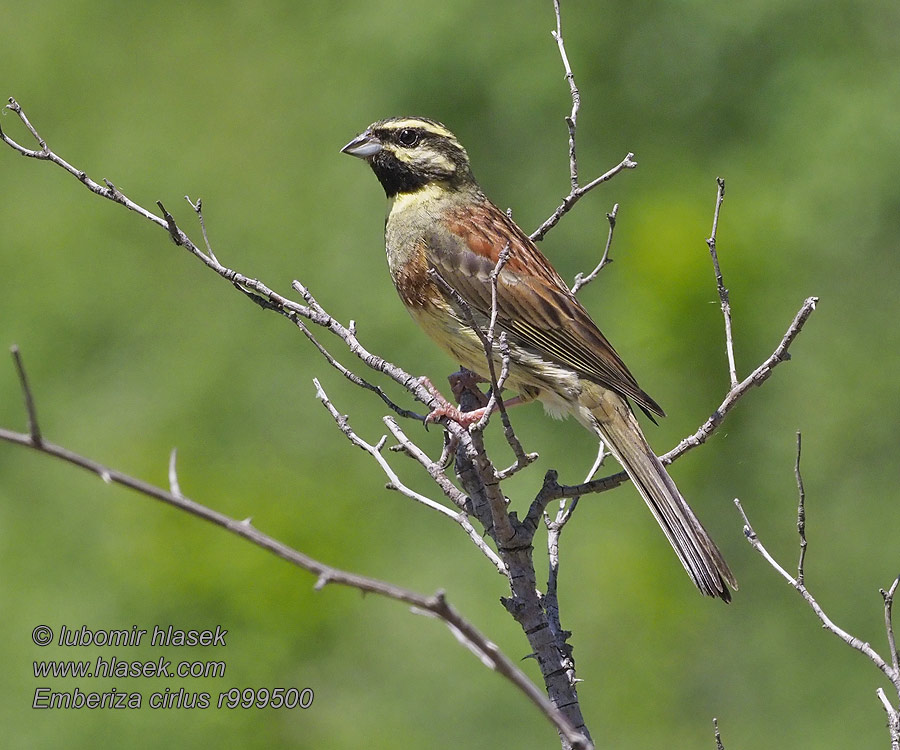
(446, 409)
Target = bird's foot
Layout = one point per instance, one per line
(445, 409)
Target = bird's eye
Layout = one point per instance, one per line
(408, 137)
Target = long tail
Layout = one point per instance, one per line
(698, 553)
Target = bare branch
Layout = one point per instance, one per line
(864, 648)
(582, 281)
(487, 340)
(523, 459)
(759, 376)
(436, 469)
(723, 292)
(504, 666)
(353, 377)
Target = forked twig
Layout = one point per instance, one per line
(888, 669)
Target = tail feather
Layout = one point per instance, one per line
(695, 548)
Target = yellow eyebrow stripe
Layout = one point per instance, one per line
(428, 127)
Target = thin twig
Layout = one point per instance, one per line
(436, 469)
(577, 191)
(395, 483)
(353, 377)
(198, 208)
(174, 486)
(581, 280)
(888, 597)
(801, 513)
(719, 745)
(45, 154)
(720, 285)
(34, 429)
(572, 119)
(572, 198)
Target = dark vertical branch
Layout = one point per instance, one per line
(801, 513)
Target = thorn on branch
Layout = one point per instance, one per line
(112, 192)
(174, 488)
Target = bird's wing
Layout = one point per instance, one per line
(534, 305)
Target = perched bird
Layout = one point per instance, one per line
(439, 222)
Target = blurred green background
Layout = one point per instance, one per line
(133, 347)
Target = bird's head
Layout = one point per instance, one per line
(409, 153)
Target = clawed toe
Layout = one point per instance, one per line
(445, 409)
(462, 418)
